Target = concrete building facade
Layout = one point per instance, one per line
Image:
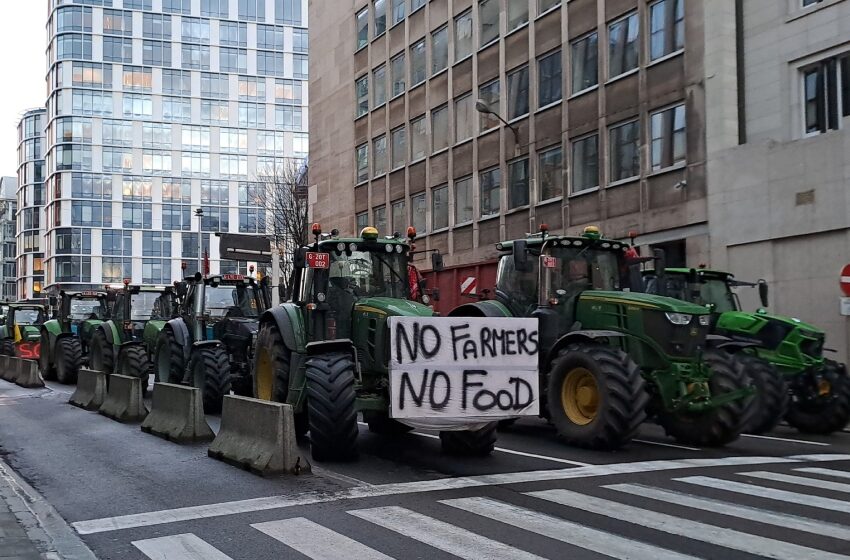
(779, 180)
(8, 216)
(158, 108)
(30, 204)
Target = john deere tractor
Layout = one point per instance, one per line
(819, 388)
(20, 329)
(210, 344)
(327, 352)
(612, 356)
(125, 343)
(66, 340)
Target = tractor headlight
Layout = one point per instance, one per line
(426, 299)
(679, 318)
(320, 297)
(389, 248)
(704, 320)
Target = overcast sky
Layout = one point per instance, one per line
(22, 66)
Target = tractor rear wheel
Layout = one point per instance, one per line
(209, 370)
(331, 405)
(133, 362)
(470, 443)
(272, 360)
(168, 358)
(770, 403)
(721, 425)
(69, 355)
(828, 412)
(48, 371)
(100, 355)
(596, 396)
(7, 348)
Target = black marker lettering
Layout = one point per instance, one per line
(458, 337)
(467, 384)
(448, 390)
(519, 383)
(510, 341)
(401, 333)
(407, 383)
(478, 405)
(437, 341)
(470, 350)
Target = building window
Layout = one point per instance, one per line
(826, 94)
(269, 63)
(666, 28)
(252, 89)
(117, 242)
(380, 214)
(550, 171)
(379, 155)
(156, 271)
(156, 244)
(286, 118)
(624, 151)
(807, 3)
(233, 34)
(215, 86)
(288, 92)
(74, 46)
(362, 221)
(138, 105)
(252, 114)
(416, 4)
(490, 182)
(233, 60)
(176, 82)
(463, 36)
(176, 109)
(518, 93)
(136, 215)
(439, 128)
(116, 22)
(418, 139)
(117, 49)
(362, 21)
(417, 63)
(91, 103)
(380, 10)
(549, 79)
(194, 30)
(288, 12)
(115, 270)
(214, 8)
(585, 163)
(397, 74)
(399, 147)
(117, 160)
(668, 137)
(156, 53)
(73, 269)
(439, 50)
(398, 10)
(419, 213)
(231, 140)
(73, 18)
(158, 26)
(517, 13)
(252, 10)
(440, 208)
(518, 184)
(379, 85)
(138, 79)
(489, 94)
(488, 19)
(399, 216)
(623, 45)
(362, 156)
(585, 55)
(361, 89)
(463, 201)
(464, 119)
(546, 5)
(183, 7)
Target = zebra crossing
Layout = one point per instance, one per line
(785, 523)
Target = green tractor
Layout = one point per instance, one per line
(614, 356)
(210, 343)
(66, 339)
(819, 388)
(327, 351)
(125, 343)
(19, 330)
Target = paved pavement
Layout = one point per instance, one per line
(131, 496)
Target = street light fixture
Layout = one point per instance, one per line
(199, 212)
(482, 107)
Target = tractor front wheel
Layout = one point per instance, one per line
(272, 360)
(827, 412)
(69, 355)
(718, 426)
(7, 348)
(48, 372)
(209, 370)
(133, 362)
(596, 396)
(168, 358)
(331, 407)
(100, 356)
(770, 403)
(470, 443)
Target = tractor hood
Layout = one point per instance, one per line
(392, 306)
(645, 301)
(790, 321)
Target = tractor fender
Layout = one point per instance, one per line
(484, 308)
(206, 344)
(290, 324)
(730, 345)
(589, 335)
(108, 333)
(181, 335)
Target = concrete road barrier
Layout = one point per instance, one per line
(28, 374)
(177, 414)
(91, 389)
(258, 436)
(123, 400)
(8, 368)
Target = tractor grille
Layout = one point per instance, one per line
(812, 346)
(678, 341)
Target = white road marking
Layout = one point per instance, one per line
(574, 534)
(800, 481)
(439, 534)
(180, 547)
(712, 534)
(316, 541)
(769, 493)
(190, 513)
(825, 472)
(774, 438)
(784, 520)
(662, 444)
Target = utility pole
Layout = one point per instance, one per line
(199, 212)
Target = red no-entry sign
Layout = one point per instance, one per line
(845, 280)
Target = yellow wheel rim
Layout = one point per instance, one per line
(580, 396)
(264, 375)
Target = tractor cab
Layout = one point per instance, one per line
(207, 303)
(20, 329)
(136, 306)
(81, 312)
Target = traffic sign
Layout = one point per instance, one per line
(845, 280)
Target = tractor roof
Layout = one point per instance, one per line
(334, 241)
(567, 241)
(26, 305)
(701, 272)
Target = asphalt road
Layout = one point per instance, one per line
(132, 496)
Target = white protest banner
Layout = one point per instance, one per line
(463, 367)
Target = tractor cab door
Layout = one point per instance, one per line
(517, 290)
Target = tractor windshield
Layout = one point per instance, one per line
(717, 292)
(370, 273)
(238, 300)
(28, 317)
(85, 309)
(149, 305)
(580, 269)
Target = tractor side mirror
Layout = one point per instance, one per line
(660, 258)
(300, 260)
(436, 261)
(521, 261)
(763, 292)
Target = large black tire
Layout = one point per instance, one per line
(169, 363)
(69, 356)
(770, 403)
(826, 414)
(272, 360)
(7, 347)
(209, 370)
(101, 357)
(331, 407)
(133, 362)
(45, 365)
(595, 396)
(721, 425)
(477, 443)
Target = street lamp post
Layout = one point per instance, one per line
(482, 107)
(199, 212)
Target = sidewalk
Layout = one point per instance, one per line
(14, 542)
